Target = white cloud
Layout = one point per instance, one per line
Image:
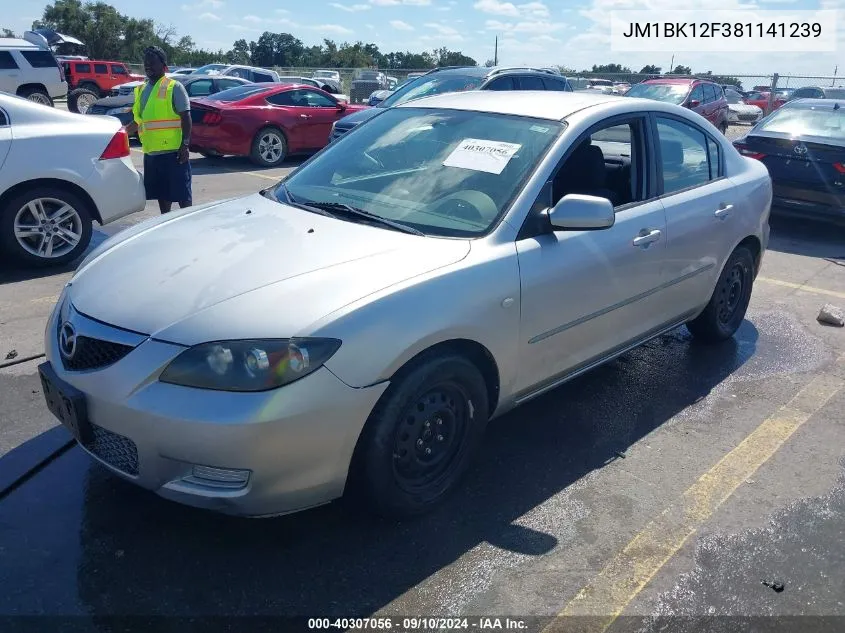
(337, 29)
(497, 8)
(254, 19)
(385, 3)
(445, 33)
(240, 28)
(203, 4)
(350, 8)
(393, 3)
(399, 25)
(209, 17)
(526, 26)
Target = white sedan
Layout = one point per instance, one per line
(739, 111)
(60, 172)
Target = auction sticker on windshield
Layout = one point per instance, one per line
(479, 155)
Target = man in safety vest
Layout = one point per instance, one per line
(162, 113)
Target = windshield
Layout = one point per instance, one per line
(238, 93)
(428, 85)
(670, 93)
(324, 73)
(806, 121)
(209, 69)
(443, 172)
(733, 96)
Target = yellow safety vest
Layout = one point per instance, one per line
(159, 125)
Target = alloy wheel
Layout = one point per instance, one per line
(270, 147)
(38, 97)
(48, 227)
(85, 101)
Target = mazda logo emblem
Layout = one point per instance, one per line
(800, 150)
(67, 340)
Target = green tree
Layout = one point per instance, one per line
(611, 69)
(680, 70)
(445, 57)
(650, 70)
(7, 33)
(239, 53)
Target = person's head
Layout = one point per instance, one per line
(155, 62)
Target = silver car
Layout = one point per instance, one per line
(353, 328)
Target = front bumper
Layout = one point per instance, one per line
(296, 442)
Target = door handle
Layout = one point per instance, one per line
(723, 211)
(304, 116)
(647, 238)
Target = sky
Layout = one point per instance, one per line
(572, 33)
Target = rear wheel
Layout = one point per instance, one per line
(37, 95)
(81, 99)
(421, 436)
(45, 226)
(727, 306)
(269, 147)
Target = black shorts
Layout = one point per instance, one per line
(165, 178)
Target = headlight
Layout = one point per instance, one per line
(123, 110)
(248, 365)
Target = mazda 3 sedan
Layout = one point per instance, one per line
(353, 328)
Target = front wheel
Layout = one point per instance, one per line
(37, 95)
(81, 99)
(269, 147)
(45, 226)
(421, 436)
(727, 306)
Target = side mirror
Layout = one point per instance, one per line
(341, 105)
(576, 212)
(693, 103)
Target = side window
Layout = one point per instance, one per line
(605, 164)
(7, 62)
(709, 93)
(3, 120)
(83, 68)
(503, 83)
(684, 155)
(282, 98)
(554, 84)
(530, 82)
(239, 72)
(261, 77)
(713, 158)
(117, 69)
(225, 84)
(697, 94)
(312, 99)
(101, 69)
(200, 88)
(40, 59)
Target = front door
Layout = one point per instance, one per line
(586, 294)
(700, 214)
(319, 112)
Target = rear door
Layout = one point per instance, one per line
(710, 106)
(103, 78)
(10, 73)
(697, 94)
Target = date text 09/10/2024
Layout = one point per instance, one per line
(408, 625)
(672, 30)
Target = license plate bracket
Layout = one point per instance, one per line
(67, 403)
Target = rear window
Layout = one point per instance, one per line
(101, 69)
(7, 62)
(238, 94)
(81, 68)
(434, 84)
(118, 70)
(530, 83)
(810, 121)
(40, 59)
(262, 77)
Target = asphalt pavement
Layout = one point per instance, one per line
(656, 493)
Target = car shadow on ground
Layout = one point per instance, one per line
(12, 273)
(201, 165)
(808, 237)
(140, 554)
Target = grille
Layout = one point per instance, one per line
(92, 353)
(747, 117)
(116, 450)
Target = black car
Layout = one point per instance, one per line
(457, 79)
(817, 92)
(197, 86)
(802, 144)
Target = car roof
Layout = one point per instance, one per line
(825, 104)
(553, 106)
(15, 42)
(673, 80)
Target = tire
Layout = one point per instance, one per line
(37, 95)
(723, 128)
(31, 210)
(209, 153)
(81, 99)
(406, 430)
(267, 152)
(89, 85)
(727, 306)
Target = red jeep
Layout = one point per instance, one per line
(89, 80)
(699, 95)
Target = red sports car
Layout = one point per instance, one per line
(266, 122)
(761, 100)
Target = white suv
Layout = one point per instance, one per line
(30, 71)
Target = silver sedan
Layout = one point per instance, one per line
(353, 328)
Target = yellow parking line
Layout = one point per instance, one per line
(805, 288)
(50, 299)
(606, 596)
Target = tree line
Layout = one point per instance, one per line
(619, 69)
(108, 34)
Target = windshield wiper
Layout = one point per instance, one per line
(300, 205)
(360, 213)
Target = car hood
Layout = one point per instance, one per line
(743, 107)
(358, 117)
(248, 267)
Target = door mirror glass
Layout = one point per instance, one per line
(693, 103)
(577, 212)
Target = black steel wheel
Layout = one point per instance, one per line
(726, 309)
(421, 436)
